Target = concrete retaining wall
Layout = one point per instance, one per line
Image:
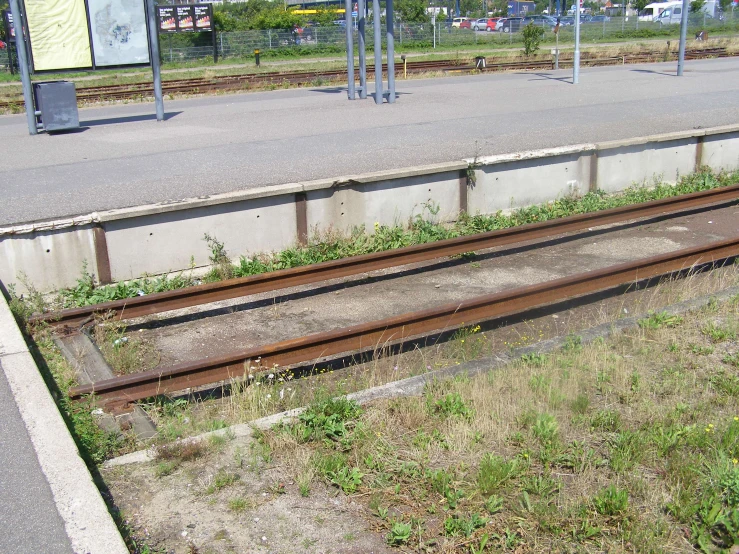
(126, 243)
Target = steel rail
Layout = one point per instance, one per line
(129, 308)
(119, 391)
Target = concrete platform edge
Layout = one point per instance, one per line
(87, 522)
(157, 239)
(413, 386)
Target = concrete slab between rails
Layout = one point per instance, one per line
(87, 522)
(414, 386)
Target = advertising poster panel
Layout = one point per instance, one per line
(166, 19)
(59, 34)
(203, 17)
(9, 27)
(185, 18)
(119, 34)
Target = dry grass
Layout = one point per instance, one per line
(619, 446)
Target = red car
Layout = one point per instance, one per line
(466, 24)
(2, 45)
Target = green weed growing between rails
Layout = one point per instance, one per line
(422, 229)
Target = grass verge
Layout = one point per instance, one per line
(625, 445)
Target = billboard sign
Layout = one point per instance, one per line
(85, 34)
(121, 39)
(185, 18)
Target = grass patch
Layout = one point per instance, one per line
(642, 449)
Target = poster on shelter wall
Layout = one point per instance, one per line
(119, 35)
(59, 34)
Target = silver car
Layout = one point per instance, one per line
(480, 24)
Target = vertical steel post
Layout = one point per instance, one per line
(155, 63)
(376, 20)
(389, 16)
(683, 38)
(215, 45)
(20, 51)
(361, 23)
(576, 63)
(349, 48)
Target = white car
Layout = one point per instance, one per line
(457, 21)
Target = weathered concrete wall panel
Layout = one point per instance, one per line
(158, 243)
(50, 259)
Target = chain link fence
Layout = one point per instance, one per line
(331, 40)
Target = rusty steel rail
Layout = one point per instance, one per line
(68, 320)
(119, 391)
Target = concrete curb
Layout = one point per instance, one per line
(413, 386)
(89, 526)
(348, 180)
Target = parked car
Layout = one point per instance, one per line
(598, 19)
(466, 24)
(457, 22)
(485, 24)
(492, 23)
(2, 45)
(512, 25)
(480, 24)
(541, 20)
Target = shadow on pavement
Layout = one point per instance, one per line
(547, 77)
(126, 119)
(655, 72)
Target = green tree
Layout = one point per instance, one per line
(275, 18)
(639, 5)
(411, 11)
(500, 7)
(696, 5)
(325, 17)
(532, 35)
(470, 8)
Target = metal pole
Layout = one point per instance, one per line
(361, 23)
(349, 48)
(556, 49)
(378, 50)
(20, 50)
(683, 38)
(576, 61)
(155, 67)
(389, 16)
(215, 45)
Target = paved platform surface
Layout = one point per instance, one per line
(219, 144)
(29, 519)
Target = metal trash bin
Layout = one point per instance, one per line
(480, 62)
(56, 106)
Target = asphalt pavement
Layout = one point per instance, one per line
(217, 144)
(29, 520)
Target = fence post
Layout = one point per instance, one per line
(269, 35)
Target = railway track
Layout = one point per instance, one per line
(116, 393)
(70, 320)
(239, 82)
